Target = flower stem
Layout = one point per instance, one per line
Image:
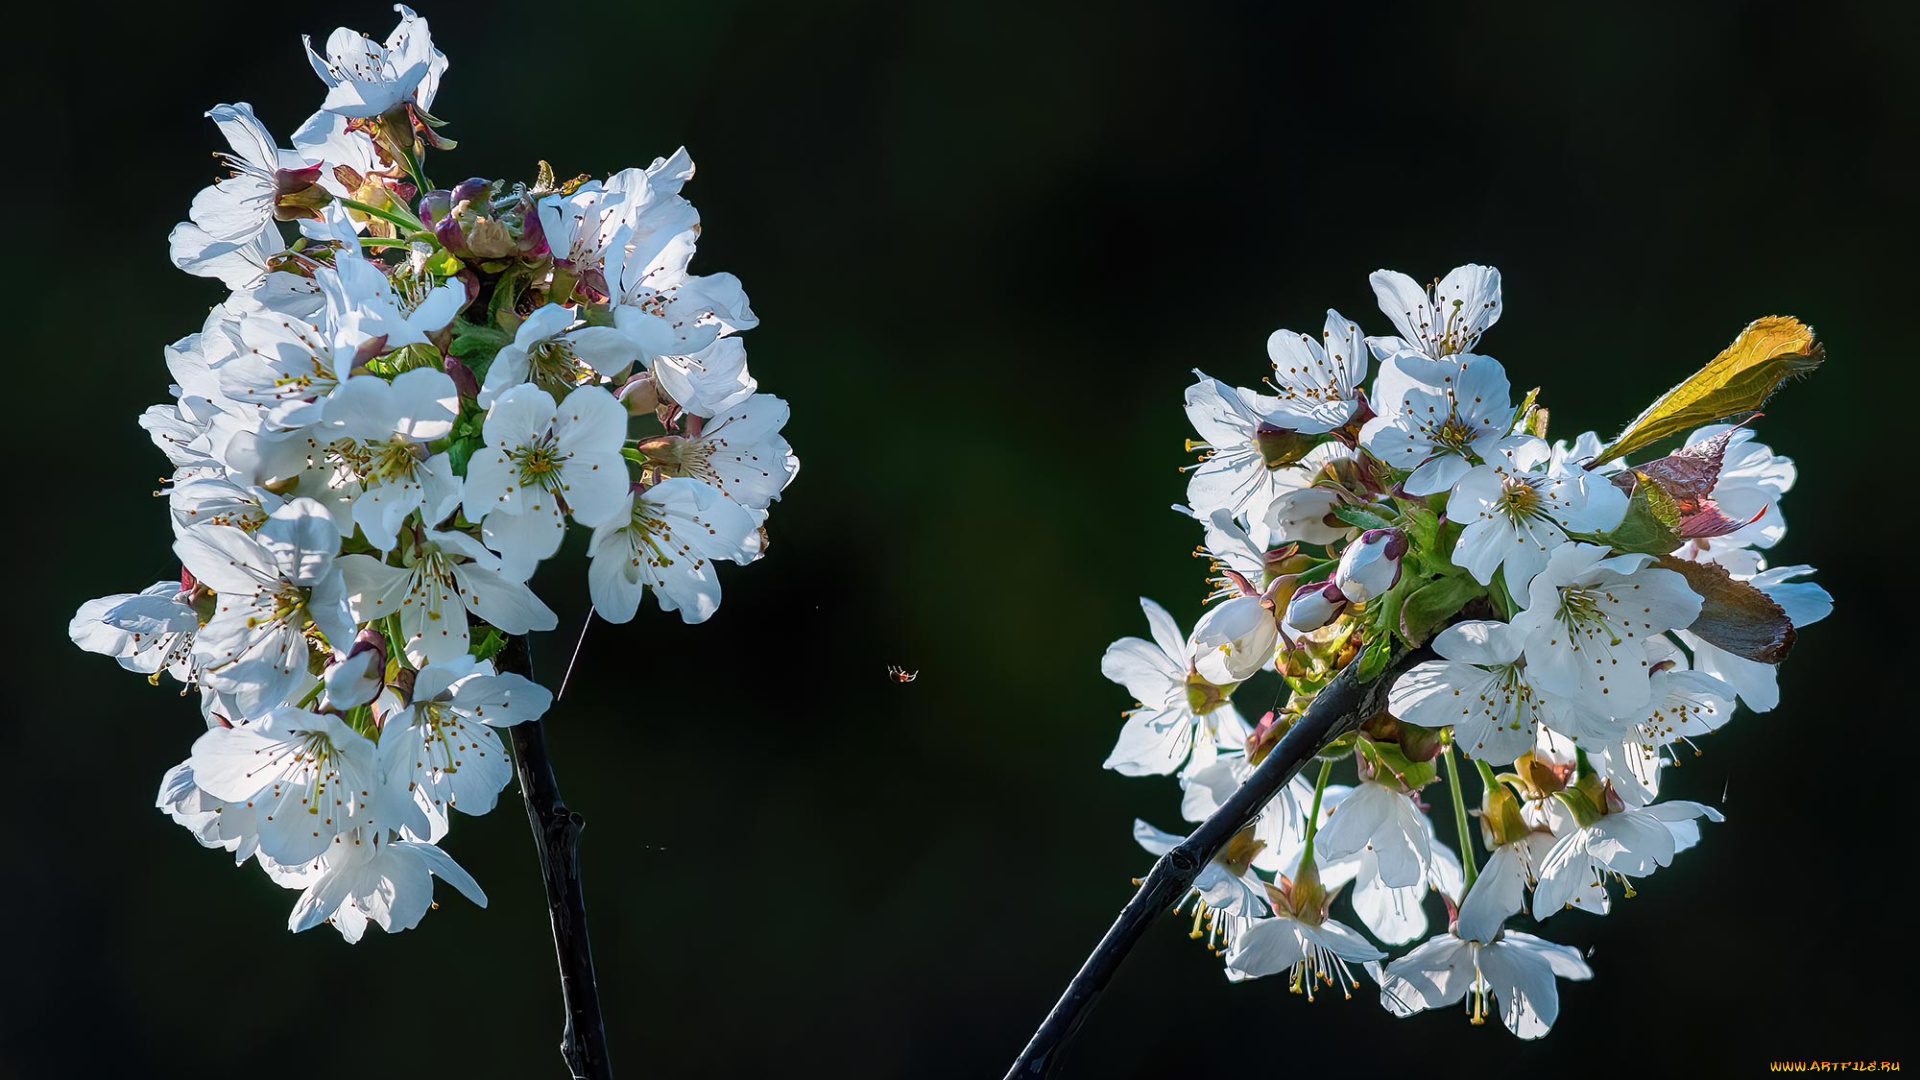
(1313, 815)
(1335, 710)
(404, 221)
(1469, 862)
(556, 835)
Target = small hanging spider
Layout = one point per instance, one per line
(901, 675)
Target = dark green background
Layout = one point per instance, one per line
(987, 241)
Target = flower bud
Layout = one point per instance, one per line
(464, 222)
(1371, 565)
(640, 395)
(356, 678)
(1314, 606)
(1266, 735)
(1235, 639)
(434, 206)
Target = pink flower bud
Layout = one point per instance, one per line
(1314, 606)
(1371, 565)
(356, 678)
(640, 395)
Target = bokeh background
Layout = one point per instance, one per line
(987, 242)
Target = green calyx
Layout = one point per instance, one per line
(1390, 759)
(1202, 696)
(1586, 797)
(1280, 447)
(1500, 820)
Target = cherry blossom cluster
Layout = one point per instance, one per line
(410, 395)
(1584, 618)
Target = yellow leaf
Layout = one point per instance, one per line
(1743, 376)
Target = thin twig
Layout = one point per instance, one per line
(556, 835)
(1340, 707)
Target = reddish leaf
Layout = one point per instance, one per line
(1733, 614)
(1710, 521)
(1688, 476)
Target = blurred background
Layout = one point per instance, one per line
(987, 242)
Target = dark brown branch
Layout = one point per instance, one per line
(556, 835)
(1338, 709)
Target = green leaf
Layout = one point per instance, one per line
(444, 263)
(488, 647)
(1522, 417)
(1361, 519)
(506, 293)
(1374, 660)
(1428, 608)
(1429, 543)
(461, 451)
(1740, 379)
(1422, 527)
(1338, 749)
(476, 345)
(1652, 524)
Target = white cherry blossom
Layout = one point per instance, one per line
(1301, 510)
(1236, 638)
(1516, 969)
(740, 453)
(380, 880)
(1588, 618)
(1178, 709)
(1380, 818)
(667, 543)
(1318, 381)
(365, 78)
(1485, 693)
(1438, 418)
(271, 583)
(551, 353)
(1441, 322)
(1517, 512)
(447, 755)
(234, 828)
(1225, 896)
(149, 631)
(441, 579)
(542, 463)
(1627, 843)
(1245, 467)
(382, 430)
(238, 214)
(308, 777)
(1313, 952)
(334, 401)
